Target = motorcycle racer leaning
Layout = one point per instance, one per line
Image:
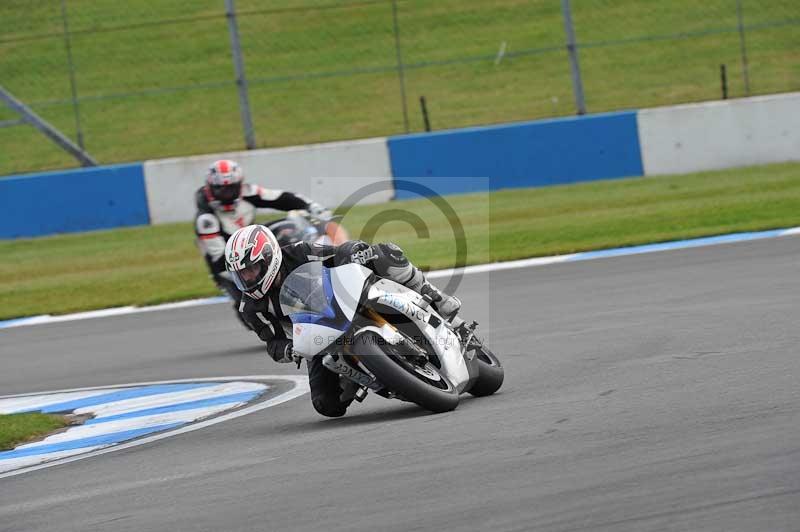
(259, 266)
(226, 203)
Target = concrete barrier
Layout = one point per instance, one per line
(327, 173)
(677, 139)
(722, 134)
(73, 200)
(530, 154)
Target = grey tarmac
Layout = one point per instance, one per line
(651, 392)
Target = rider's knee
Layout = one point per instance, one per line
(325, 390)
(329, 406)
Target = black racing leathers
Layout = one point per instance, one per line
(264, 316)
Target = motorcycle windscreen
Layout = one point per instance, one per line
(307, 290)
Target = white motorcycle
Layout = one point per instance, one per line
(384, 337)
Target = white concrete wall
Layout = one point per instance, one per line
(723, 134)
(327, 173)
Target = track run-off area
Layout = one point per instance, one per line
(649, 392)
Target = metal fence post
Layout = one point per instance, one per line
(241, 81)
(73, 87)
(400, 67)
(572, 50)
(723, 80)
(42, 125)
(743, 47)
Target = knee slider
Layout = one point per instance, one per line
(329, 406)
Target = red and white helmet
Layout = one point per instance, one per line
(224, 181)
(253, 257)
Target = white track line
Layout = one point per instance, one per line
(125, 406)
(437, 274)
(23, 403)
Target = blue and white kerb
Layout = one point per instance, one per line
(111, 416)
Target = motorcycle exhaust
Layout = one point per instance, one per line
(340, 367)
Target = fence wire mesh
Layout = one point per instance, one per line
(155, 78)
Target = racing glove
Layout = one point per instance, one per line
(318, 211)
(280, 349)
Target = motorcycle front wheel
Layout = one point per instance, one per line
(396, 368)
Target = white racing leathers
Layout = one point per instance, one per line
(215, 222)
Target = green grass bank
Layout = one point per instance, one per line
(155, 264)
(20, 428)
(156, 79)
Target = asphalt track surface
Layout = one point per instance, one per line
(651, 392)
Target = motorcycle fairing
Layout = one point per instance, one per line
(348, 284)
(315, 330)
(445, 343)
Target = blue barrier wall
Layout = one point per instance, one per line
(529, 154)
(73, 200)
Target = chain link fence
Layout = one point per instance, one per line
(156, 78)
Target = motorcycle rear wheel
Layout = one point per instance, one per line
(490, 373)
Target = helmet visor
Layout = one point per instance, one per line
(226, 193)
(250, 278)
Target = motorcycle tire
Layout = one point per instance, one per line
(424, 386)
(490, 373)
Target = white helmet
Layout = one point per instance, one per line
(224, 181)
(253, 257)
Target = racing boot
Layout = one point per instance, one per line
(448, 306)
(391, 262)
